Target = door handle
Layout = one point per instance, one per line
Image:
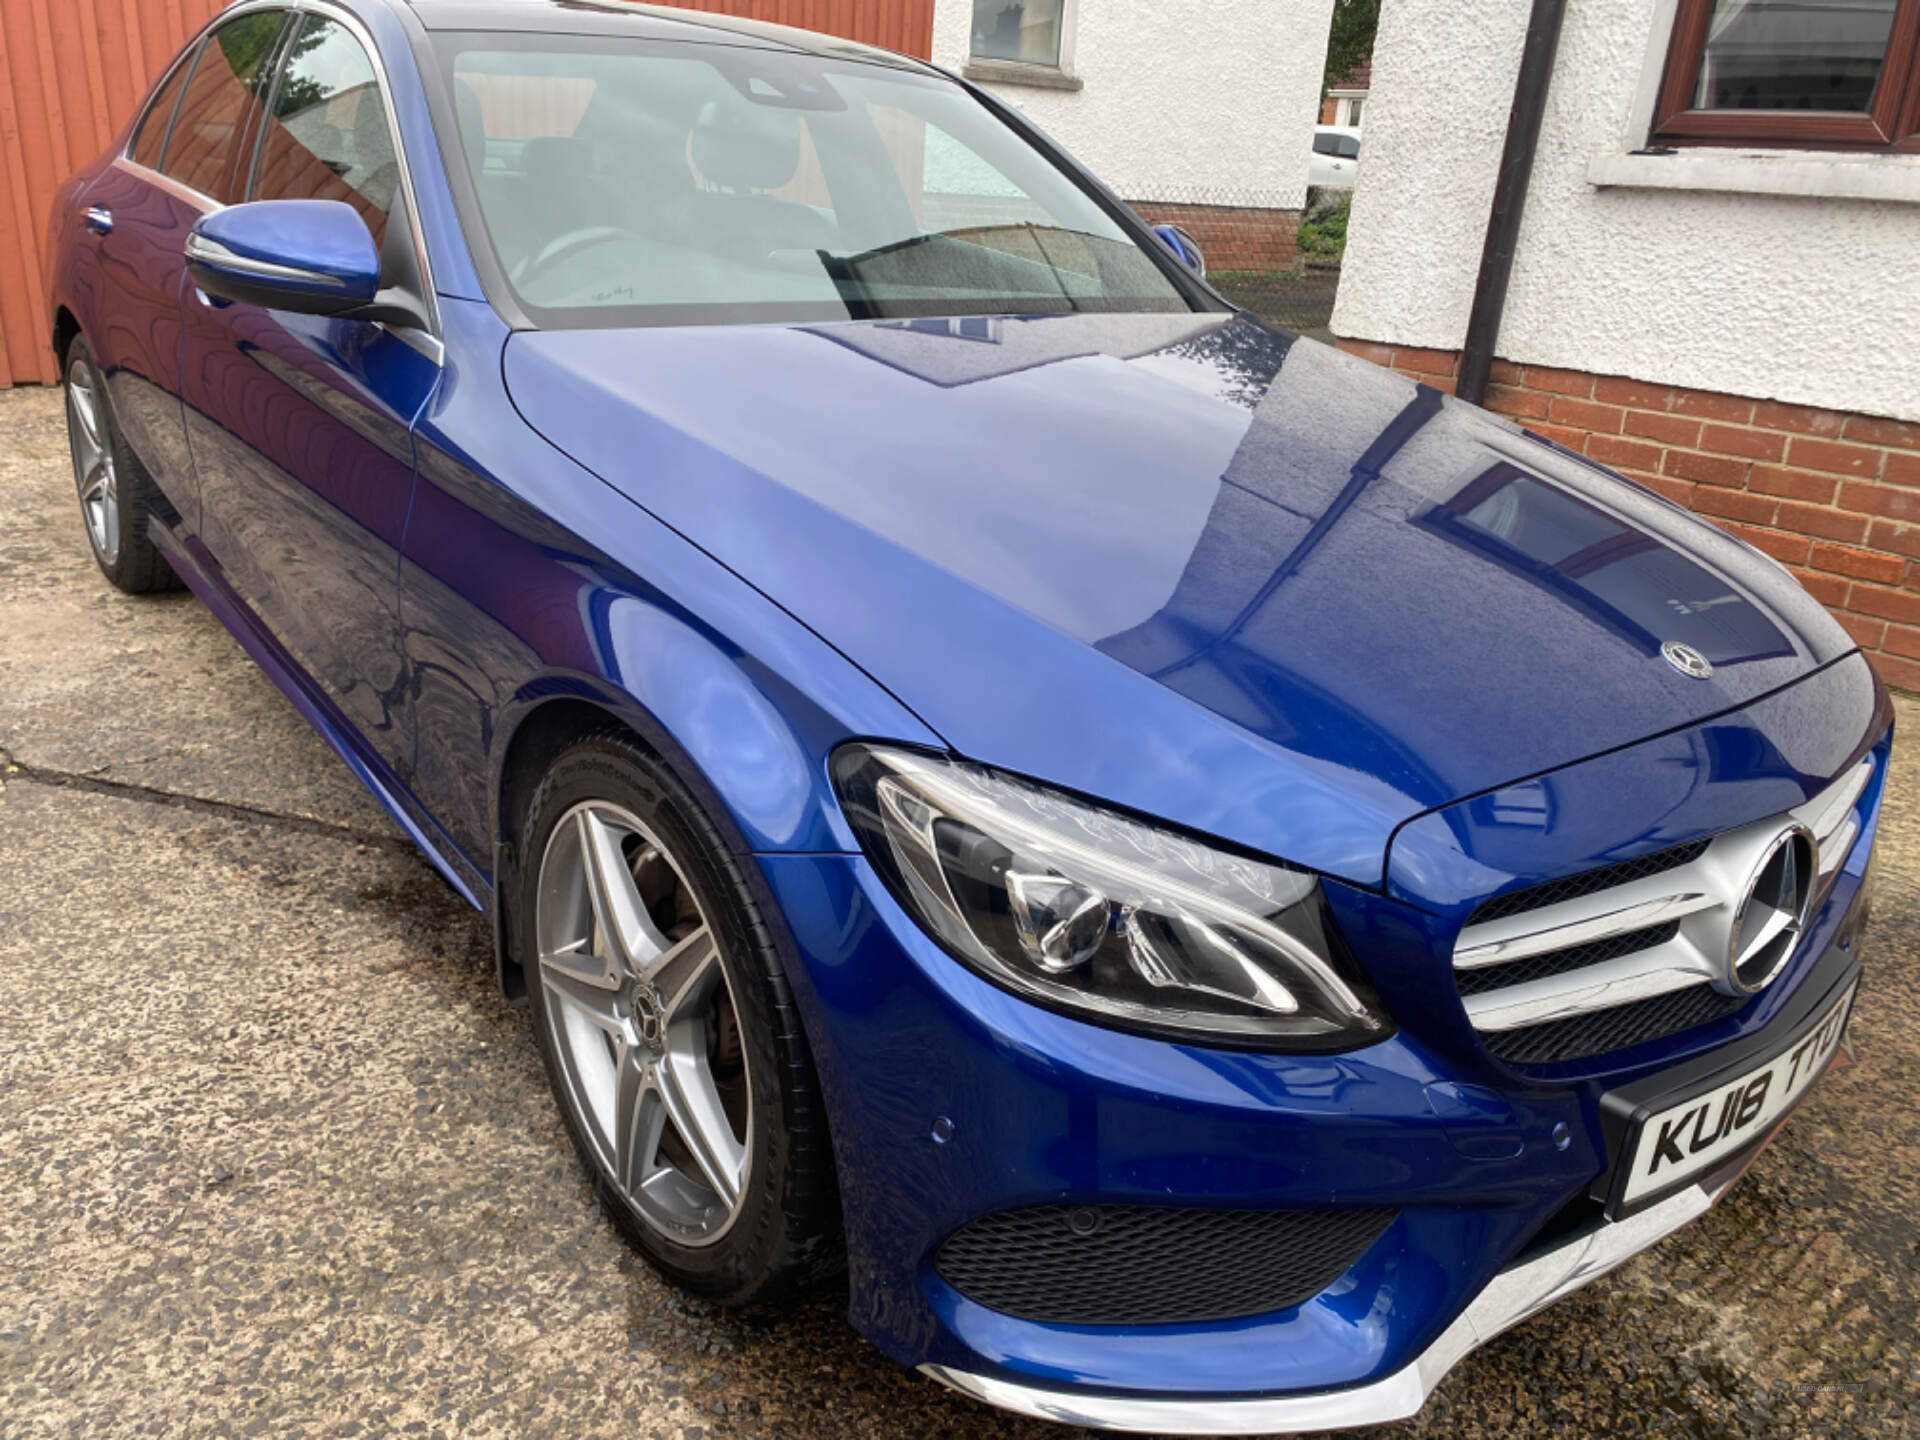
(100, 221)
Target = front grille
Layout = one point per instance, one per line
(1635, 951)
(1601, 1031)
(1559, 962)
(1151, 1265)
(1588, 882)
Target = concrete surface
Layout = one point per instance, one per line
(275, 1159)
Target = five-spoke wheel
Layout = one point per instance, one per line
(93, 468)
(643, 1022)
(117, 496)
(670, 1032)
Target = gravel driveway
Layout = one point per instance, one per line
(277, 1160)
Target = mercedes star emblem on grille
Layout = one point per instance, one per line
(1687, 660)
(1767, 926)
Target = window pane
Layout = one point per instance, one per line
(1793, 54)
(327, 138)
(1018, 30)
(1324, 144)
(153, 128)
(200, 154)
(712, 184)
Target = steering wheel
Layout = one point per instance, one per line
(565, 247)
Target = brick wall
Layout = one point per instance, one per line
(1231, 237)
(1835, 496)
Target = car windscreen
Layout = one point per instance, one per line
(623, 182)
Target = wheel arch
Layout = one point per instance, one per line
(543, 727)
(558, 711)
(66, 329)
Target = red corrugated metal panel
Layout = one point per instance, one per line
(894, 24)
(73, 71)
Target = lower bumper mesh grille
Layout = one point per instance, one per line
(1148, 1265)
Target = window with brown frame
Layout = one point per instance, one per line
(1804, 74)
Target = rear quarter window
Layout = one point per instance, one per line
(152, 133)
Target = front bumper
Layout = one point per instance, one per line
(1524, 1288)
(951, 1100)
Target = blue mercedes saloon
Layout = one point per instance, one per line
(1209, 877)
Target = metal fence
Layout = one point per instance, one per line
(1276, 254)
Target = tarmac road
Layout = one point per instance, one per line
(276, 1160)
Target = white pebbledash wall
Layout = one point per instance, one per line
(1210, 102)
(1804, 297)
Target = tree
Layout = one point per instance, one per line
(1351, 39)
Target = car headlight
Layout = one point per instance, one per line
(1092, 912)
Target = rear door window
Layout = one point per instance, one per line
(213, 109)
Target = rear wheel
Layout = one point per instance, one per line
(115, 492)
(668, 1030)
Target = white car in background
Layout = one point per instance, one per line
(1336, 157)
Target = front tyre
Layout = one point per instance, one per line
(115, 492)
(668, 1030)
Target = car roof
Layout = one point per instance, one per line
(655, 22)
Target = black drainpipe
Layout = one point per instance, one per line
(1509, 197)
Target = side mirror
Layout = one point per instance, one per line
(1185, 250)
(315, 257)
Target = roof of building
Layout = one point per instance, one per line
(1360, 77)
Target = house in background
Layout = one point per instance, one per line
(1199, 115)
(1716, 275)
(1346, 102)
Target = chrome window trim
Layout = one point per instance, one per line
(205, 202)
(1524, 1288)
(429, 345)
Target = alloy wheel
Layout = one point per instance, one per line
(93, 470)
(643, 1023)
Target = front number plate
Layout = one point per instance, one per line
(1696, 1135)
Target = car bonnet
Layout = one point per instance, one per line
(1200, 568)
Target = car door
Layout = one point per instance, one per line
(181, 163)
(300, 425)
